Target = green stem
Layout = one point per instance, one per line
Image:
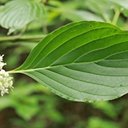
(45, 29)
(23, 37)
(116, 16)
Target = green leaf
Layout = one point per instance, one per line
(71, 61)
(102, 8)
(122, 3)
(18, 13)
(95, 122)
(79, 15)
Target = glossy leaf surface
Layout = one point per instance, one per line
(83, 61)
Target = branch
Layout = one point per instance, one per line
(116, 16)
(23, 37)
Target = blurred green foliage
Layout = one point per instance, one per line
(32, 105)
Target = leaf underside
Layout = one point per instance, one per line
(83, 61)
(17, 14)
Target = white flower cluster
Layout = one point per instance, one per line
(5, 80)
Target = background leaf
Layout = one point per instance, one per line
(79, 15)
(17, 14)
(102, 8)
(122, 4)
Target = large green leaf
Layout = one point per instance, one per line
(18, 13)
(75, 62)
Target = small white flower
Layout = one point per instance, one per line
(6, 81)
(2, 65)
(1, 58)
